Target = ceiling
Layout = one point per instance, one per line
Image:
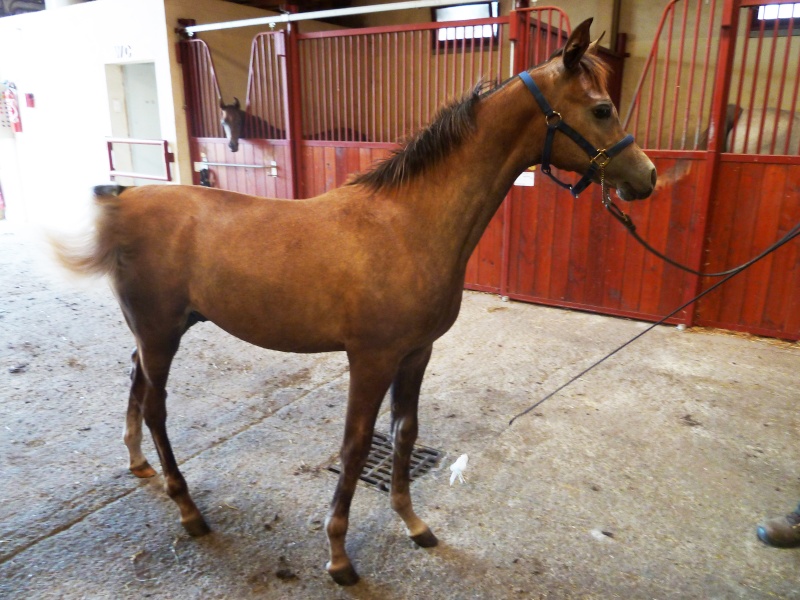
(15, 7)
(299, 5)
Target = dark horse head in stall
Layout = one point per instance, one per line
(238, 124)
(232, 122)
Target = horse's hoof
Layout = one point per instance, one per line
(346, 576)
(196, 527)
(426, 539)
(143, 471)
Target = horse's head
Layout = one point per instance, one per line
(232, 122)
(574, 83)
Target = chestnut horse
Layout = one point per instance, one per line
(378, 263)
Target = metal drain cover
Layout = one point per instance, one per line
(377, 473)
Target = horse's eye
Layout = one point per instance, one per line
(602, 112)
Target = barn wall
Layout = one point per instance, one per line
(60, 57)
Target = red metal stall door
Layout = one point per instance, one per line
(756, 199)
(262, 165)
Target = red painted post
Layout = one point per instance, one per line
(716, 140)
(292, 95)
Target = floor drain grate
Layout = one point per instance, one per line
(377, 473)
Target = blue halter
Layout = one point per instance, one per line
(598, 159)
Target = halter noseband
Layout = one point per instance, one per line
(598, 158)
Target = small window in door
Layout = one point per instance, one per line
(776, 19)
(461, 36)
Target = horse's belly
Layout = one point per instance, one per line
(286, 330)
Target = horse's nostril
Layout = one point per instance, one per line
(653, 177)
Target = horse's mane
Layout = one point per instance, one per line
(451, 126)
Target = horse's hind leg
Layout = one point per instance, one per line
(133, 421)
(155, 360)
(405, 400)
(370, 377)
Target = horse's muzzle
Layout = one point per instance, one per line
(628, 191)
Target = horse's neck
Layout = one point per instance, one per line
(472, 182)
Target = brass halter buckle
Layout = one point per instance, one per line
(601, 159)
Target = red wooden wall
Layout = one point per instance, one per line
(754, 204)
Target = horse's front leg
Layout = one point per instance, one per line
(405, 400)
(370, 377)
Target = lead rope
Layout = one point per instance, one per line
(628, 223)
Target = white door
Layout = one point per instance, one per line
(133, 100)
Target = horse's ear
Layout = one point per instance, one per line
(222, 104)
(236, 103)
(577, 44)
(595, 44)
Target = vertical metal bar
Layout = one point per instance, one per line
(417, 121)
(308, 89)
(327, 75)
(756, 66)
(664, 81)
(499, 59)
(394, 98)
(319, 77)
(404, 82)
(397, 94)
(292, 94)
(676, 94)
(461, 58)
(793, 106)
(252, 92)
(341, 90)
(193, 88)
(766, 91)
(206, 89)
(359, 120)
(651, 93)
(491, 52)
(703, 86)
(351, 99)
(446, 69)
(280, 91)
(498, 75)
(335, 89)
(323, 75)
(692, 66)
(199, 69)
(258, 111)
(429, 56)
(271, 98)
(381, 67)
(483, 41)
(369, 43)
(779, 104)
(740, 86)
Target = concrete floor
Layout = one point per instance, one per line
(644, 480)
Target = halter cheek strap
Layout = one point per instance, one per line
(598, 158)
